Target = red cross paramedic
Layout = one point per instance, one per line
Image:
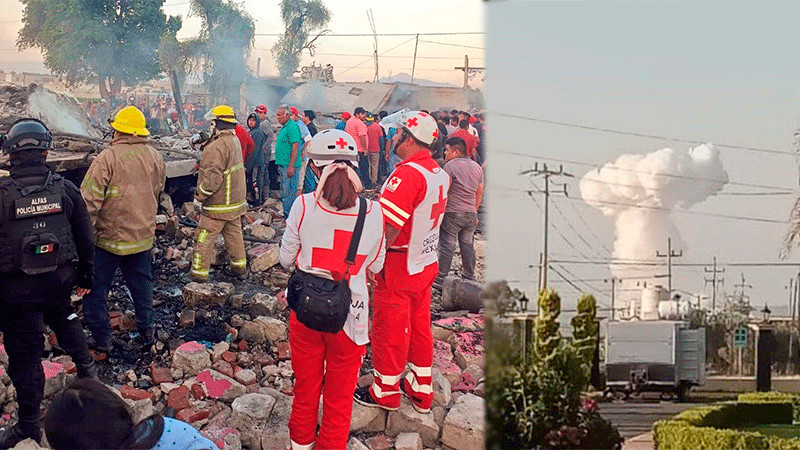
(413, 200)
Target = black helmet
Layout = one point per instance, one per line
(27, 134)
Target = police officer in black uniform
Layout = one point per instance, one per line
(46, 248)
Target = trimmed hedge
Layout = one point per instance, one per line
(713, 426)
(773, 397)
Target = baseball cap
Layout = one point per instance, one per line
(261, 109)
(293, 110)
(346, 115)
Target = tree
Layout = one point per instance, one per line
(301, 18)
(109, 42)
(585, 330)
(226, 38)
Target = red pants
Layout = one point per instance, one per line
(401, 333)
(328, 364)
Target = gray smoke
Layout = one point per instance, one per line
(57, 116)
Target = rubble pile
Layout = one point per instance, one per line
(222, 360)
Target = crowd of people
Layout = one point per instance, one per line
(365, 258)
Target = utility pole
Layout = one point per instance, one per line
(670, 254)
(714, 282)
(546, 174)
(414, 64)
(743, 286)
(466, 70)
(375, 46)
(613, 282)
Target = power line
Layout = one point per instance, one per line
(656, 208)
(656, 264)
(589, 227)
(642, 135)
(452, 45)
(580, 236)
(624, 169)
(394, 56)
(381, 54)
(442, 33)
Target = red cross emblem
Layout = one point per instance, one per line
(341, 143)
(435, 133)
(438, 208)
(333, 258)
(412, 122)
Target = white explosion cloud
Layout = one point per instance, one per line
(636, 194)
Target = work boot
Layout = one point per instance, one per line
(410, 397)
(92, 343)
(12, 436)
(87, 369)
(239, 274)
(363, 397)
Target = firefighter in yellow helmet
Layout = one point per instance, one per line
(121, 190)
(221, 191)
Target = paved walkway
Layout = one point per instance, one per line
(640, 442)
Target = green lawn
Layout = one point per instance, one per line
(781, 430)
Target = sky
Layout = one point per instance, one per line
(351, 56)
(689, 73)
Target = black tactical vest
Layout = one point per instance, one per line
(36, 236)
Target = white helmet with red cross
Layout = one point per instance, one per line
(421, 125)
(332, 145)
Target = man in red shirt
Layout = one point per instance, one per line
(413, 201)
(470, 140)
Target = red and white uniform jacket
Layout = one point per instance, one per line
(317, 237)
(413, 199)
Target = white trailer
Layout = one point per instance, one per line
(654, 355)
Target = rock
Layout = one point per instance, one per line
(55, 378)
(195, 294)
(237, 321)
(187, 318)
(178, 398)
(450, 371)
(379, 442)
(355, 444)
(177, 374)
(253, 331)
(172, 226)
(191, 357)
(442, 353)
(463, 426)
(131, 393)
(220, 386)
(276, 433)
(237, 300)
(218, 349)
(409, 441)
(469, 349)
(441, 389)
(141, 409)
(262, 231)
(199, 391)
(365, 419)
(228, 357)
(226, 438)
(160, 374)
(249, 416)
(223, 367)
(284, 350)
(263, 305)
(480, 248)
(407, 419)
(246, 377)
(192, 414)
(263, 256)
(167, 387)
(28, 444)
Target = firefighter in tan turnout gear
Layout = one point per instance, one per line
(221, 192)
(121, 190)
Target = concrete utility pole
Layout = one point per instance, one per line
(414, 64)
(714, 282)
(466, 70)
(670, 254)
(546, 174)
(613, 281)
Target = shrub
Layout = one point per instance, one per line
(712, 426)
